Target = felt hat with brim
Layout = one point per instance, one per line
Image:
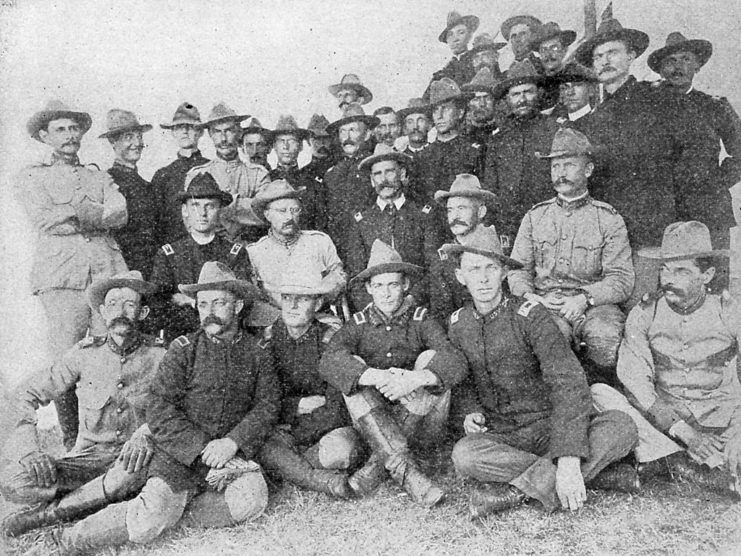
(299, 282)
(684, 240)
(454, 19)
(186, 113)
(56, 110)
(676, 42)
(482, 241)
(216, 276)
(253, 125)
(519, 73)
(384, 259)
(445, 90)
(223, 113)
(204, 186)
(353, 112)
(569, 142)
(277, 189)
(572, 73)
(131, 279)
(465, 185)
(611, 30)
(484, 41)
(482, 82)
(318, 126)
(120, 121)
(352, 81)
(287, 125)
(529, 20)
(415, 106)
(383, 152)
(552, 30)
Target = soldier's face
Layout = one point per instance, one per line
(225, 136)
(447, 117)
(485, 59)
(128, 146)
(283, 215)
(519, 39)
(122, 310)
(388, 291)
(481, 107)
(218, 311)
(416, 127)
(683, 282)
(202, 215)
(287, 148)
(255, 147)
(552, 53)
(575, 95)
(347, 96)
(388, 129)
(353, 136)
(523, 99)
(679, 69)
(457, 38)
(298, 310)
(570, 174)
(464, 214)
(387, 177)
(320, 146)
(186, 136)
(62, 135)
(611, 61)
(482, 276)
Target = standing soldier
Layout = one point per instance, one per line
(255, 143)
(457, 34)
(320, 142)
(350, 90)
(481, 120)
(551, 43)
(485, 54)
(520, 30)
(74, 208)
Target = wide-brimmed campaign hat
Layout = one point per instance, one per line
(482, 241)
(253, 125)
(465, 185)
(287, 125)
(529, 20)
(383, 152)
(454, 18)
(317, 126)
(204, 186)
(186, 113)
(484, 41)
(276, 189)
(482, 82)
(572, 73)
(131, 279)
(223, 113)
(120, 121)
(684, 240)
(415, 106)
(552, 30)
(569, 142)
(519, 73)
(383, 259)
(677, 42)
(353, 112)
(611, 30)
(56, 110)
(216, 275)
(352, 81)
(298, 281)
(445, 90)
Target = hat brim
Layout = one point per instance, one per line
(408, 269)
(370, 121)
(114, 132)
(457, 248)
(463, 95)
(470, 21)
(98, 290)
(638, 41)
(315, 133)
(242, 289)
(567, 38)
(559, 154)
(701, 48)
(496, 47)
(297, 289)
(367, 163)
(506, 27)
(502, 88)
(173, 124)
(362, 90)
(656, 254)
(425, 109)
(259, 204)
(569, 77)
(301, 134)
(236, 118)
(441, 196)
(224, 196)
(41, 119)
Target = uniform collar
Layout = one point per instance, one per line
(692, 308)
(583, 111)
(289, 243)
(219, 342)
(55, 159)
(282, 334)
(420, 149)
(195, 154)
(129, 347)
(571, 204)
(124, 168)
(493, 314)
(378, 318)
(398, 202)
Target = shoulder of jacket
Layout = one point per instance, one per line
(90, 341)
(180, 342)
(330, 324)
(526, 306)
(263, 239)
(359, 318)
(606, 206)
(543, 203)
(167, 249)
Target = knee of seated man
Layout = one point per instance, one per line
(464, 455)
(624, 429)
(17, 487)
(119, 484)
(602, 339)
(247, 497)
(339, 449)
(156, 508)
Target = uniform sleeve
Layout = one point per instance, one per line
(449, 364)
(338, 366)
(46, 216)
(618, 275)
(441, 293)
(115, 212)
(521, 280)
(465, 395)
(730, 132)
(334, 272)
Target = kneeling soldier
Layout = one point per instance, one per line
(315, 442)
(386, 350)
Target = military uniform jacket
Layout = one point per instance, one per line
(138, 239)
(112, 384)
(313, 199)
(412, 230)
(318, 167)
(207, 389)
(578, 245)
(683, 366)
(384, 343)
(459, 69)
(441, 162)
(297, 363)
(522, 371)
(73, 209)
(514, 174)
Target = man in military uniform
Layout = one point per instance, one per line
(481, 116)
(169, 181)
(350, 90)
(551, 43)
(181, 261)
(485, 54)
(320, 142)
(527, 403)
(576, 259)
(511, 171)
(138, 238)
(577, 90)
(678, 364)
(314, 445)
(395, 367)
(457, 34)
(416, 122)
(519, 31)
(112, 374)
(412, 230)
(73, 208)
(388, 130)
(255, 142)
(212, 402)
(240, 179)
(288, 246)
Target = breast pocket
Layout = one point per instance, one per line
(93, 404)
(586, 259)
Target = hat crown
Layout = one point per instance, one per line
(286, 122)
(416, 102)
(483, 78)
(128, 275)
(483, 39)
(318, 124)
(383, 148)
(464, 183)
(215, 272)
(296, 278)
(186, 112)
(609, 25)
(685, 238)
(570, 141)
(484, 238)
(118, 119)
(443, 90)
(522, 70)
(252, 123)
(675, 38)
(382, 253)
(277, 189)
(56, 105)
(203, 186)
(578, 72)
(453, 16)
(220, 111)
(350, 79)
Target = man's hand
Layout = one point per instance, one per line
(732, 452)
(373, 377)
(700, 445)
(310, 403)
(570, 483)
(138, 451)
(218, 452)
(400, 383)
(573, 307)
(41, 468)
(474, 422)
(181, 300)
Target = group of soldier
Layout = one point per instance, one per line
(479, 304)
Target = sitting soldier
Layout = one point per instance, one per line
(393, 349)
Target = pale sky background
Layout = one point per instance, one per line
(262, 57)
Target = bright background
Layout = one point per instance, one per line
(262, 57)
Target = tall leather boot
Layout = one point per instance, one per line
(282, 459)
(67, 415)
(107, 528)
(78, 503)
(384, 435)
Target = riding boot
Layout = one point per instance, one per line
(106, 528)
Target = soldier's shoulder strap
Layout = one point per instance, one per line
(90, 341)
(419, 314)
(167, 249)
(181, 341)
(607, 206)
(267, 336)
(358, 216)
(526, 307)
(544, 203)
(236, 249)
(455, 317)
(359, 318)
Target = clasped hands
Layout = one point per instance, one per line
(570, 307)
(394, 383)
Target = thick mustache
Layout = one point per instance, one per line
(459, 223)
(670, 288)
(122, 321)
(606, 68)
(211, 319)
(324, 150)
(564, 181)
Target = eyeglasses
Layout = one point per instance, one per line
(294, 211)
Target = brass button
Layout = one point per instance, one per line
(388, 354)
(120, 385)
